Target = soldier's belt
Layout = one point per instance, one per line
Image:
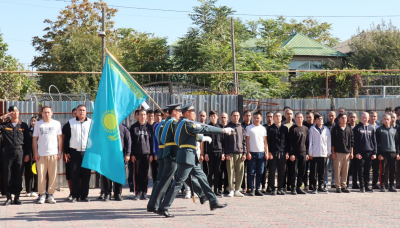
(188, 146)
(161, 146)
(171, 144)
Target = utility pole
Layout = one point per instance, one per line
(235, 79)
(102, 34)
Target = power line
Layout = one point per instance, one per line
(235, 14)
(31, 5)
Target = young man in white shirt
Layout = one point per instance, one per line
(257, 153)
(47, 149)
(318, 151)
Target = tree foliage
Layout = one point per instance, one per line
(376, 48)
(13, 86)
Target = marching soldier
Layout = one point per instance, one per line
(187, 133)
(15, 151)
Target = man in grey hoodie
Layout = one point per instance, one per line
(388, 153)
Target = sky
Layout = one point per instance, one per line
(21, 20)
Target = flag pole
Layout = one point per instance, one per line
(126, 72)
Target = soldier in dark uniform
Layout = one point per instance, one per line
(187, 133)
(166, 137)
(15, 151)
(157, 136)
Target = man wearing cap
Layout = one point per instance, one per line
(15, 146)
(187, 133)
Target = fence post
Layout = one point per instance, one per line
(240, 106)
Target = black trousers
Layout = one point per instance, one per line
(376, 169)
(364, 166)
(317, 171)
(108, 186)
(154, 170)
(244, 187)
(388, 168)
(80, 176)
(306, 174)
(265, 175)
(214, 169)
(13, 168)
(205, 167)
(131, 171)
(297, 169)
(30, 178)
(353, 171)
(278, 163)
(141, 172)
(223, 176)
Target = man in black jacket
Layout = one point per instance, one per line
(277, 134)
(126, 148)
(298, 151)
(214, 154)
(365, 148)
(15, 146)
(342, 151)
(141, 153)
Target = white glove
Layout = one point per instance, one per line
(229, 130)
(198, 126)
(207, 139)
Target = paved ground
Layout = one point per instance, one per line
(323, 210)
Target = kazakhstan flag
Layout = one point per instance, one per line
(117, 96)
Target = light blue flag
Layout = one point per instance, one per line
(118, 96)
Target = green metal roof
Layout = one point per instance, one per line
(303, 45)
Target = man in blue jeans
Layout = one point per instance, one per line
(257, 153)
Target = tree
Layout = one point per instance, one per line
(13, 86)
(71, 44)
(376, 48)
(142, 52)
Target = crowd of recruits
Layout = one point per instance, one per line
(289, 148)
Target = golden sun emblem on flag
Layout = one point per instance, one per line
(110, 124)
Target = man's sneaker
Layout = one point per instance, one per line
(383, 189)
(69, 198)
(274, 192)
(338, 190)
(137, 197)
(345, 190)
(300, 191)
(237, 194)
(314, 191)
(28, 194)
(259, 193)
(144, 196)
(367, 189)
(51, 199)
(34, 194)
(362, 190)
(294, 192)
(231, 193)
(188, 195)
(281, 192)
(323, 190)
(131, 195)
(252, 193)
(392, 189)
(42, 198)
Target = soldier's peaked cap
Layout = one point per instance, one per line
(165, 109)
(188, 107)
(176, 106)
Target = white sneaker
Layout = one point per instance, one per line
(42, 198)
(230, 194)
(131, 195)
(28, 194)
(51, 199)
(34, 194)
(188, 195)
(238, 194)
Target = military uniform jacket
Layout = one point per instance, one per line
(186, 138)
(158, 131)
(168, 138)
(15, 137)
